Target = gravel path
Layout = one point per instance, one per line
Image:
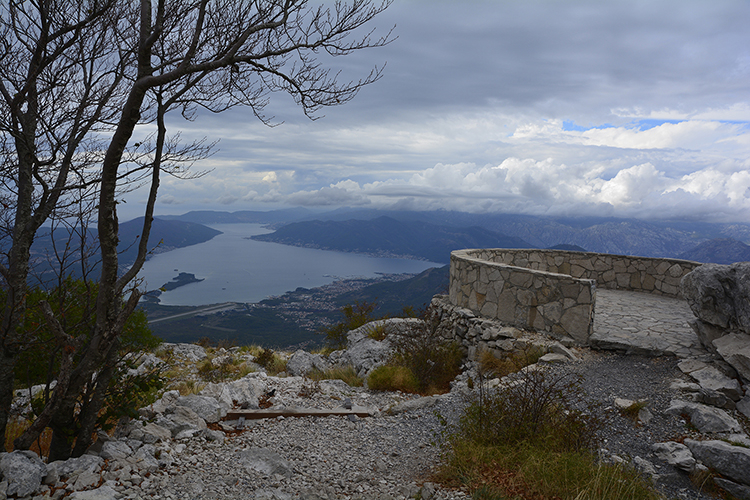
(391, 456)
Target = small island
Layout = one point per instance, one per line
(181, 279)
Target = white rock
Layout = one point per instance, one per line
(705, 418)
(735, 349)
(676, 454)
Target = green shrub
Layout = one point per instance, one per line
(347, 374)
(421, 348)
(534, 404)
(530, 439)
(393, 378)
(491, 365)
(355, 315)
(272, 362)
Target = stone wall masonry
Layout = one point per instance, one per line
(475, 333)
(553, 291)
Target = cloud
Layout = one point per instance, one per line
(628, 108)
(549, 187)
(327, 196)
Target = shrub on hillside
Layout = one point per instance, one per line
(421, 348)
(531, 438)
(355, 315)
(393, 378)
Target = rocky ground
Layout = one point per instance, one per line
(181, 449)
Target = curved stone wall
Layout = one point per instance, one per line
(553, 290)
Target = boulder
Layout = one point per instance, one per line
(738, 491)
(712, 379)
(718, 296)
(206, 407)
(705, 418)
(303, 362)
(735, 349)
(364, 355)
(145, 458)
(676, 454)
(242, 393)
(743, 406)
(115, 449)
(75, 466)
(180, 418)
(730, 461)
(192, 352)
(150, 433)
(23, 470)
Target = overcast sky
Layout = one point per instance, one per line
(618, 108)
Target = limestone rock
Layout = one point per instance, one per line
(705, 418)
(192, 352)
(413, 404)
(558, 348)
(717, 295)
(265, 461)
(735, 349)
(738, 491)
(711, 378)
(730, 461)
(743, 406)
(23, 470)
(242, 393)
(552, 358)
(115, 449)
(363, 352)
(303, 362)
(206, 407)
(676, 454)
(150, 433)
(713, 398)
(181, 418)
(75, 466)
(145, 458)
(104, 492)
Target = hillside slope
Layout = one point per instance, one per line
(389, 237)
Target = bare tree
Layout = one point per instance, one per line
(129, 64)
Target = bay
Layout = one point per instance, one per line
(235, 268)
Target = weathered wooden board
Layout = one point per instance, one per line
(296, 412)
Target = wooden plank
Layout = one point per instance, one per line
(296, 412)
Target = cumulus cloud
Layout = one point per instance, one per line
(327, 196)
(549, 187)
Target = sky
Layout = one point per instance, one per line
(610, 108)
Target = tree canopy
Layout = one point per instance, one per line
(79, 81)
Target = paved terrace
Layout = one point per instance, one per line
(643, 323)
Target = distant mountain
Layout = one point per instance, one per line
(244, 216)
(391, 297)
(165, 235)
(719, 251)
(387, 236)
(653, 238)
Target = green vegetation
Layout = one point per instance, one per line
(529, 439)
(393, 378)
(422, 362)
(355, 315)
(347, 374)
(491, 365)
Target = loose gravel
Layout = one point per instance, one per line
(392, 456)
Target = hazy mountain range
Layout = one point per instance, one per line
(432, 235)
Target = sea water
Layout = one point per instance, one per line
(235, 268)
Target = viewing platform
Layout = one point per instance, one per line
(627, 303)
